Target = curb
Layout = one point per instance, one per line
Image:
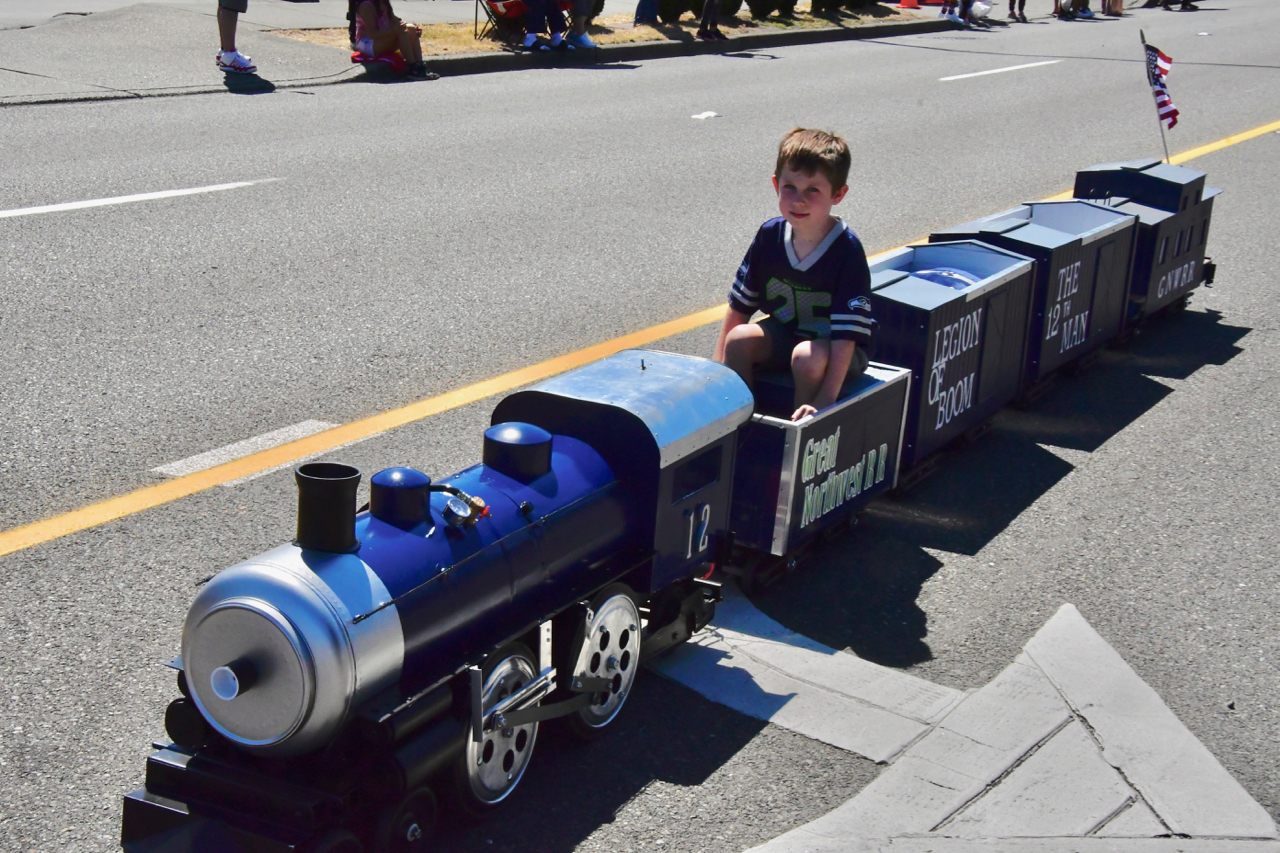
(614, 53)
(515, 61)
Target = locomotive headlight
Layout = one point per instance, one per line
(273, 656)
(231, 680)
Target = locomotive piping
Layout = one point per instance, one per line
(446, 569)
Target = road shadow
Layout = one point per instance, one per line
(247, 84)
(1181, 345)
(859, 591)
(666, 733)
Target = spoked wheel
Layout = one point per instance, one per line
(608, 646)
(490, 770)
(406, 827)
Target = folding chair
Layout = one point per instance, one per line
(506, 15)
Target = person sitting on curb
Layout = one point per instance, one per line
(578, 38)
(540, 16)
(230, 59)
(376, 31)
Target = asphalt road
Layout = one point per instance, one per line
(420, 238)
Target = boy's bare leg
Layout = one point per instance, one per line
(809, 367)
(227, 19)
(744, 347)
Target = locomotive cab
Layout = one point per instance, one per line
(667, 426)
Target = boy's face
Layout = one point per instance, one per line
(806, 200)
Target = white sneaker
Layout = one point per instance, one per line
(236, 62)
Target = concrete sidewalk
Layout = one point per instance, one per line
(1066, 751)
(168, 48)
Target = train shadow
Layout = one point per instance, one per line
(860, 591)
(667, 733)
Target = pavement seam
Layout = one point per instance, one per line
(991, 785)
(109, 94)
(1128, 804)
(63, 80)
(1097, 741)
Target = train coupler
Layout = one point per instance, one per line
(687, 610)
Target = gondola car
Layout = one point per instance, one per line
(333, 689)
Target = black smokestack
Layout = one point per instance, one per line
(327, 506)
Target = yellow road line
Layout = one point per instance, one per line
(180, 487)
(152, 496)
(1179, 159)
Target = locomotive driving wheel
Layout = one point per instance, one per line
(607, 645)
(490, 770)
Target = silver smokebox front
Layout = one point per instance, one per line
(272, 656)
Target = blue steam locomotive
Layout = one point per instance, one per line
(332, 688)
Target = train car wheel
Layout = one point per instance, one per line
(488, 771)
(334, 841)
(608, 646)
(406, 827)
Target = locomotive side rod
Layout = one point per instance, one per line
(585, 686)
(512, 711)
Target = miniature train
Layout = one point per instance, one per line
(333, 687)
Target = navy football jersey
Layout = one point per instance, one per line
(823, 296)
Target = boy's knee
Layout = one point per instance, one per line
(808, 361)
(745, 342)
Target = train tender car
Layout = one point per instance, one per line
(1083, 253)
(798, 480)
(956, 315)
(331, 687)
(1173, 207)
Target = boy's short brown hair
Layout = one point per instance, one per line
(811, 151)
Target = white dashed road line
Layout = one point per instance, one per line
(127, 199)
(209, 459)
(999, 70)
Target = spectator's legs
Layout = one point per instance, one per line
(227, 19)
(543, 15)
(411, 43)
(710, 16)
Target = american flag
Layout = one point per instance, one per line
(1158, 66)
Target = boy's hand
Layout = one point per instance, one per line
(803, 412)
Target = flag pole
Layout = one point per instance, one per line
(1159, 121)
